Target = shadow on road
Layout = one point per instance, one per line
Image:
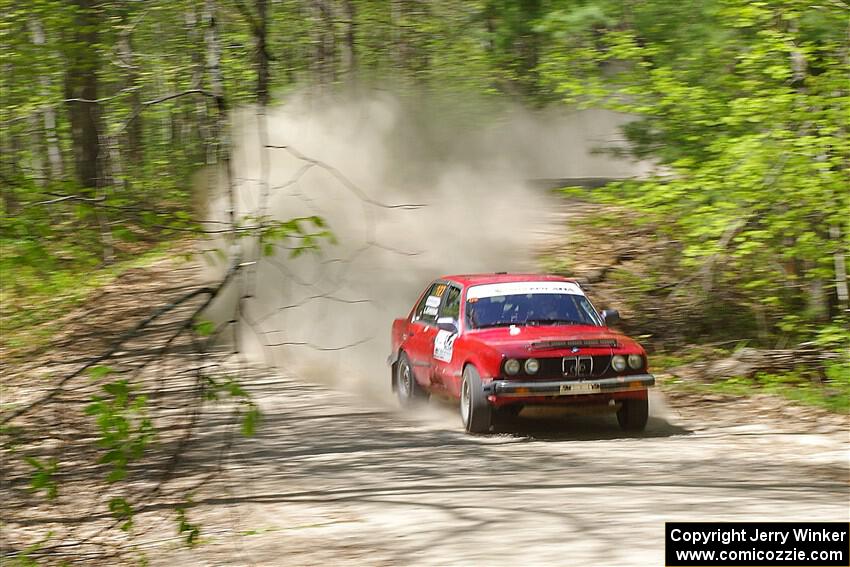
(583, 428)
(559, 424)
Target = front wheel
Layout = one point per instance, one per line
(633, 415)
(407, 388)
(475, 411)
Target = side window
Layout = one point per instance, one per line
(428, 308)
(451, 308)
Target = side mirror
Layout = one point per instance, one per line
(610, 316)
(447, 324)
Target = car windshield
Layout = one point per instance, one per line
(530, 309)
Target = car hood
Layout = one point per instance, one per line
(551, 337)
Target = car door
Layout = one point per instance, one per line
(442, 355)
(419, 343)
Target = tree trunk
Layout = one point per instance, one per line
(322, 40)
(54, 156)
(201, 120)
(222, 120)
(529, 47)
(260, 33)
(329, 37)
(81, 83)
(36, 150)
(350, 54)
(135, 143)
(9, 171)
(817, 297)
(840, 262)
(399, 48)
(214, 54)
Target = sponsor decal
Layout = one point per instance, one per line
(444, 345)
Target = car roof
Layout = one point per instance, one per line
(503, 277)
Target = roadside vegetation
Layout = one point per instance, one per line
(699, 342)
(34, 302)
(741, 233)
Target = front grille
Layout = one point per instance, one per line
(572, 367)
(576, 367)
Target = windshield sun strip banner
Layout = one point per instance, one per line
(522, 288)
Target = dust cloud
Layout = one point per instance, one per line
(327, 316)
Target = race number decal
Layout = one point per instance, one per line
(444, 345)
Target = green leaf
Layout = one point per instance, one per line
(250, 420)
(116, 474)
(121, 510)
(204, 328)
(190, 531)
(98, 372)
(235, 390)
(42, 477)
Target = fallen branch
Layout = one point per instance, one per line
(211, 292)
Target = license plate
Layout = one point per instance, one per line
(580, 388)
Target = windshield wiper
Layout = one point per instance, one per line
(533, 322)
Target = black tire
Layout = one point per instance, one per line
(633, 415)
(408, 390)
(475, 411)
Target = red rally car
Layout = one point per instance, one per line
(499, 342)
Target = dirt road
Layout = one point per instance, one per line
(331, 481)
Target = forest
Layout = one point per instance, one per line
(110, 108)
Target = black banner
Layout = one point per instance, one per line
(757, 544)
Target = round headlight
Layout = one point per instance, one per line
(532, 365)
(635, 361)
(618, 363)
(511, 366)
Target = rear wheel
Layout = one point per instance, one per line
(633, 415)
(475, 411)
(407, 388)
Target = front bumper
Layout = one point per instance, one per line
(514, 389)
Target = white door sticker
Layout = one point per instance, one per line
(444, 345)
